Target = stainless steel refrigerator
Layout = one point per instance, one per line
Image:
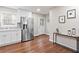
(26, 29)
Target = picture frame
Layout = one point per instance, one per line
(71, 14)
(61, 19)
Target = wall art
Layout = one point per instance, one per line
(71, 13)
(61, 19)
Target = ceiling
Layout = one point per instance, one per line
(43, 9)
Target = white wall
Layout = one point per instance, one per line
(47, 24)
(35, 18)
(68, 25)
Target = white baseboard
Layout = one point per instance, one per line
(51, 40)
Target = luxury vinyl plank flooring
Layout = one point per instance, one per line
(40, 44)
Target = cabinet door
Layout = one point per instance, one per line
(1, 39)
(4, 38)
(18, 35)
(9, 20)
(15, 36)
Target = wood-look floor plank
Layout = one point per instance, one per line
(40, 44)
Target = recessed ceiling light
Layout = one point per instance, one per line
(38, 10)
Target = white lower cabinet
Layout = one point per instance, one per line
(16, 36)
(3, 38)
(10, 37)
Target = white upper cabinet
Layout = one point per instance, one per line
(10, 17)
(8, 20)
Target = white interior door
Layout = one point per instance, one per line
(41, 25)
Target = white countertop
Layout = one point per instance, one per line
(9, 29)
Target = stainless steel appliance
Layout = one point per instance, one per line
(26, 29)
(24, 33)
(30, 31)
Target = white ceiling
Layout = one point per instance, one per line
(43, 9)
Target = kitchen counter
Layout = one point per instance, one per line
(2, 30)
(9, 29)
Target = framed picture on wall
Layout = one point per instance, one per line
(71, 13)
(61, 19)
